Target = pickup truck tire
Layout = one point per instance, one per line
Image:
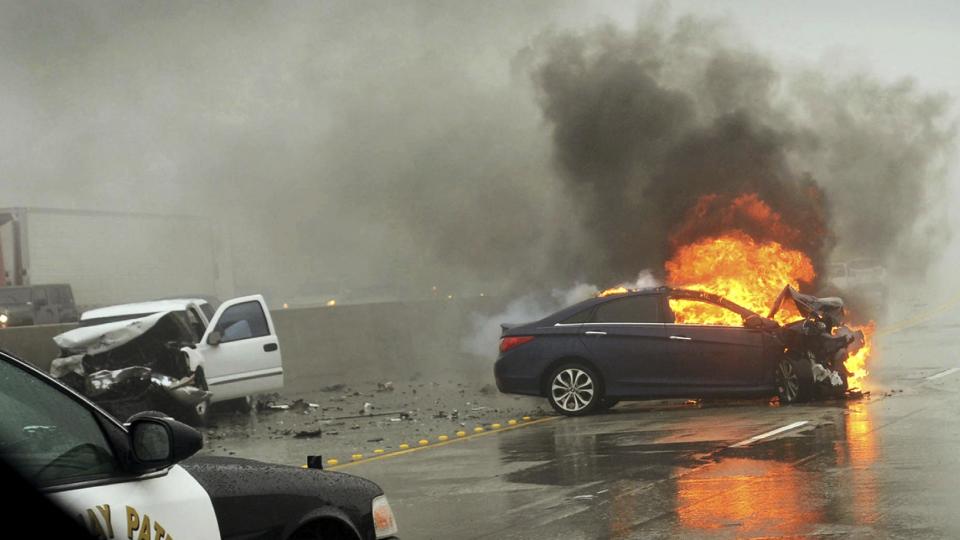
(197, 415)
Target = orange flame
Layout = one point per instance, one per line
(856, 364)
(740, 269)
(613, 290)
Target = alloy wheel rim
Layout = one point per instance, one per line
(572, 389)
(789, 383)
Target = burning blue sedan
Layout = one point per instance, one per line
(589, 356)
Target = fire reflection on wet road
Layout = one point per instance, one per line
(666, 471)
(755, 496)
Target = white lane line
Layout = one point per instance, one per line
(943, 373)
(770, 433)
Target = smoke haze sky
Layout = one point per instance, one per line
(354, 144)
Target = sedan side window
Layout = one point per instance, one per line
(687, 311)
(46, 435)
(580, 317)
(632, 309)
(242, 321)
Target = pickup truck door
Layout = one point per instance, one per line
(243, 358)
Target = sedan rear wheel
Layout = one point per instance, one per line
(574, 390)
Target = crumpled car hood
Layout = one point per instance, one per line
(108, 336)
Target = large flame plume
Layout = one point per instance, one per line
(738, 268)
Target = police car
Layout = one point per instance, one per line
(139, 481)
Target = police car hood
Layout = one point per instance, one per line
(245, 493)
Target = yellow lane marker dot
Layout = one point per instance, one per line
(496, 426)
(332, 462)
(442, 438)
(378, 451)
(526, 418)
(512, 422)
(479, 432)
(424, 442)
(461, 434)
(357, 456)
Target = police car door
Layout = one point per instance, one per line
(63, 445)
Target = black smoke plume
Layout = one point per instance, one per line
(645, 124)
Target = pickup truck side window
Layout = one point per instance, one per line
(242, 321)
(46, 435)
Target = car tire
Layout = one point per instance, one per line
(607, 403)
(242, 405)
(794, 378)
(196, 416)
(574, 389)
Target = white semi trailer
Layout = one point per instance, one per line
(113, 257)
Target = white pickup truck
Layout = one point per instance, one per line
(235, 346)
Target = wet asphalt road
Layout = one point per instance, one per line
(885, 466)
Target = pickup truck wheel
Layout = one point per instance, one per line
(243, 405)
(195, 416)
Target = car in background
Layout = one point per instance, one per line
(591, 355)
(234, 349)
(139, 479)
(36, 304)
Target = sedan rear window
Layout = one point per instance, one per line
(633, 309)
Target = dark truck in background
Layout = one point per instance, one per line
(36, 304)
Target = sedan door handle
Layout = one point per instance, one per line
(594, 333)
(682, 338)
(270, 347)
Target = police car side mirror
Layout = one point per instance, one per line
(157, 442)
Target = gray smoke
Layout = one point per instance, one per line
(380, 148)
(386, 148)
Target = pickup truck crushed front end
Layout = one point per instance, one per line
(134, 365)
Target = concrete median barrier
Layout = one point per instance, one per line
(34, 343)
(344, 343)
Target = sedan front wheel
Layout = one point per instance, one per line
(794, 380)
(574, 390)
